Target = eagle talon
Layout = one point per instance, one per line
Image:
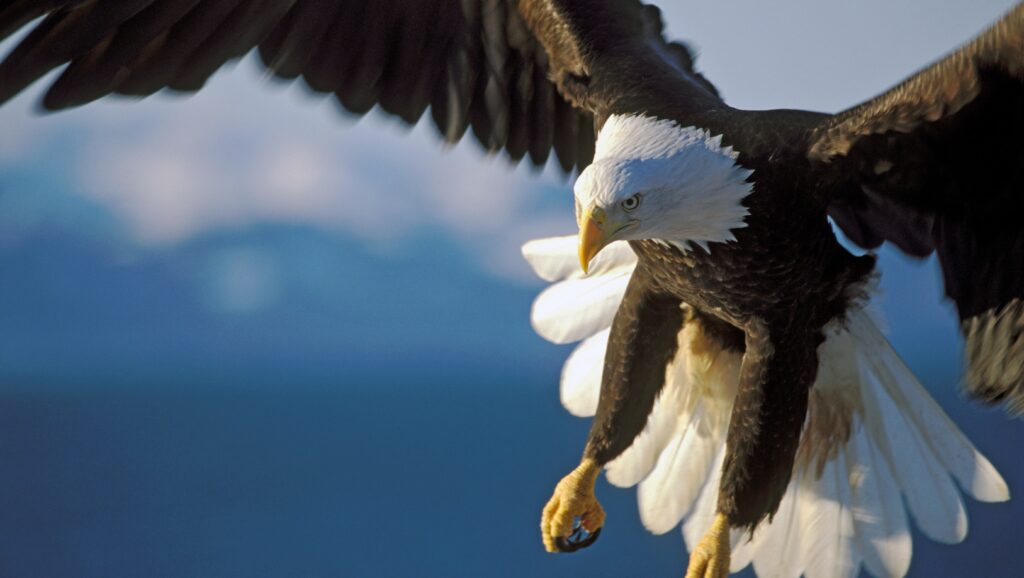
(573, 517)
(710, 558)
(578, 540)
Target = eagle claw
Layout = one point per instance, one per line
(573, 517)
(578, 540)
(710, 558)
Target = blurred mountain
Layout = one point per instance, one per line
(263, 301)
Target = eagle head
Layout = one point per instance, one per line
(653, 179)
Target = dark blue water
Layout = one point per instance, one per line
(431, 481)
(423, 479)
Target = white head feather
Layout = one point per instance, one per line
(690, 186)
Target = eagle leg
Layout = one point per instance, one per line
(776, 376)
(642, 342)
(573, 517)
(710, 558)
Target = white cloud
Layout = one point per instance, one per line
(243, 152)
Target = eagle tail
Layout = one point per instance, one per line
(875, 444)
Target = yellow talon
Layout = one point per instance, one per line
(573, 497)
(710, 558)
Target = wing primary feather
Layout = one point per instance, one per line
(247, 25)
(541, 114)
(161, 61)
(565, 131)
(18, 13)
(452, 100)
(495, 93)
(103, 69)
(62, 35)
(520, 78)
(585, 142)
(415, 57)
(375, 39)
(323, 72)
(288, 50)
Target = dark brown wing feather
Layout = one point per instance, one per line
(937, 165)
(937, 92)
(474, 63)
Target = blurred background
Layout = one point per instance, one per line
(244, 335)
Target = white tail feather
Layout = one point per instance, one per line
(846, 503)
(972, 470)
(880, 521)
(639, 460)
(548, 259)
(668, 493)
(581, 375)
(577, 306)
(555, 259)
(776, 553)
(575, 309)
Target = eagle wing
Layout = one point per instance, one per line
(936, 164)
(474, 63)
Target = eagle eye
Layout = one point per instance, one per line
(631, 203)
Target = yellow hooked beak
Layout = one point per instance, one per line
(593, 236)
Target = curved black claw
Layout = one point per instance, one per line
(578, 540)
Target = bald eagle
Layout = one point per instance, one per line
(728, 358)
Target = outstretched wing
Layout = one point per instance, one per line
(937, 165)
(475, 63)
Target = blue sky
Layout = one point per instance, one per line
(251, 237)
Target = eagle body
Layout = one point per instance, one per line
(781, 280)
(727, 354)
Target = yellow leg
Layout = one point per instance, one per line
(710, 559)
(573, 497)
